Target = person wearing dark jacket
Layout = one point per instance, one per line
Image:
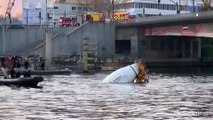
(42, 65)
(26, 64)
(11, 72)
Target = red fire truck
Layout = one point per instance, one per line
(67, 22)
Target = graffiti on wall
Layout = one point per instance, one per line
(195, 30)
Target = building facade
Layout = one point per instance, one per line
(49, 12)
(157, 7)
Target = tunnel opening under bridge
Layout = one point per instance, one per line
(170, 47)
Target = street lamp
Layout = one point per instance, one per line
(193, 5)
(46, 14)
(113, 9)
(1, 7)
(3, 30)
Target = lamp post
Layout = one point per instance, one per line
(3, 37)
(177, 6)
(113, 9)
(46, 14)
(27, 17)
(193, 5)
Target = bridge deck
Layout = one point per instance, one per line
(189, 18)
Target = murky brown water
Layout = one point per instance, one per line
(85, 97)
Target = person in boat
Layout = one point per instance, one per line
(143, 72)
(42, 65)
(18, 74)
(11, 72)
(27, 73)
(26, 64)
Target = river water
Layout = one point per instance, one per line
(80, 96)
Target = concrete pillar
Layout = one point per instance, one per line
(175, 48)
(141, 38)
(85, 54)
(1, 40)
(149, 45)
(166, 51)
(191, 48)
(134, 45)
(183, 48)
(199, 48)
(48, 50)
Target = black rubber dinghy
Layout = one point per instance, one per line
(25, 82)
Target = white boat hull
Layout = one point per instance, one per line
(123, 75)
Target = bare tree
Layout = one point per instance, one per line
(87, 3)
(103, 6)
(59, 1)
(206, 6)
(96, 5)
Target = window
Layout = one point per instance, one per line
(167, 7)
(173, 7)
(84, 8)
(126, 5)
(148, 5)
(151, 5)
(154, 6)
(137, 5)
(184, 7)
(73, 8)
(55, 7)
(79, 8)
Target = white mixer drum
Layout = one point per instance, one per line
(123, 75)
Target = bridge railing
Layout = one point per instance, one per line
(201, 16)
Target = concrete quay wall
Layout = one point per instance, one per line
(65, 41)
(72, 41)
(16, 41)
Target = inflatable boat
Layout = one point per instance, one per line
(123, 75)
(25, 81)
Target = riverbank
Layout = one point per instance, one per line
(159, 65)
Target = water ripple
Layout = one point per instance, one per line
(81, 96)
